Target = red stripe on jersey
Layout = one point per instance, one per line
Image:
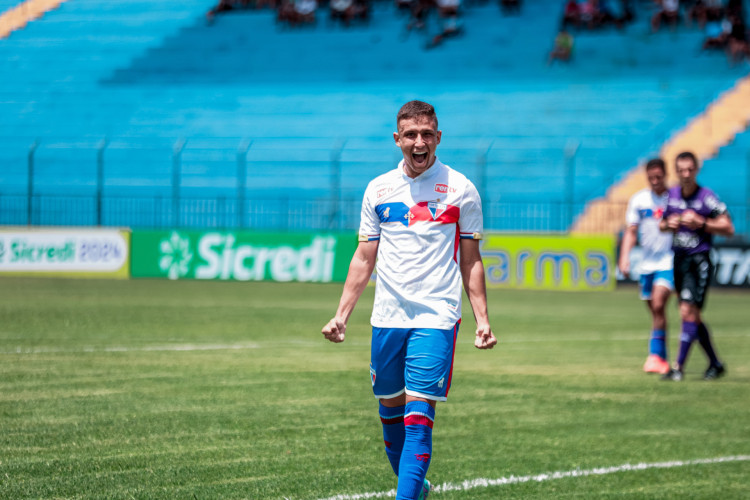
(453, 357)
(418, 420)
(455, 245)
(421, 212)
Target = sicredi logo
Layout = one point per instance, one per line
(444, 189)
(223, 257)
(63, 250)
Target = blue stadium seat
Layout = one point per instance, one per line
(308, 113)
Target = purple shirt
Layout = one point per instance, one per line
(703, 202)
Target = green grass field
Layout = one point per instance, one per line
(205, 390)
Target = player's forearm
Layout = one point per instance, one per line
(359, 274)
(476, 290)
(629, 239)
(721, 226)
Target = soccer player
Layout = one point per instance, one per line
(694, 213)
(420, 226)
(656, 280)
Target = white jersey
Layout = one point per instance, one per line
(418, 223)
(645, 210)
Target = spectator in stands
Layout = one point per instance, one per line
(563, 48)
(717, 34)
(628, 14)
(226, 6)
(738, 46)
(305, 11)
(571, 15)
(510, 6)
(609, 14)
(406, 5)
(597, 13)
(669, 12)
(271, 4)
(450, 22)
(703, 11)
(349, 10)
(734, 8)
(297, 12)
(418, 14)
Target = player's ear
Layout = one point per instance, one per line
(397, 138)
(439, 135)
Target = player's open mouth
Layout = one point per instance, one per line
(419, 158)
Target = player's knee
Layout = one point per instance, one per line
(689, 312)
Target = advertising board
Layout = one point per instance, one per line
(242, 255)
(71, 252)
(549, 262)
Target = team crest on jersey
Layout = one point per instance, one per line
(436, 209)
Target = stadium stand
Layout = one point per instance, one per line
(714, 128)
(243, 121)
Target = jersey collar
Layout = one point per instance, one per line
(428, 174)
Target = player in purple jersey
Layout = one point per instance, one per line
(422, 223)
(694, 214)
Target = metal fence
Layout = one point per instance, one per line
(335, 205)
(280, 214)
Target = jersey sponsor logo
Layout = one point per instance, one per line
(383, 191)
(444, 188)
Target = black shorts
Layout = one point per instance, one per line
(692, 275)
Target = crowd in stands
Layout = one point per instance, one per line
(723, 21)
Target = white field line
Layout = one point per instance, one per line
(601, 471)
(168, 347)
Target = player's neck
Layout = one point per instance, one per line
(688, 191)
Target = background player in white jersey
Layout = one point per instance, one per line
(643, 216)
(421, 222)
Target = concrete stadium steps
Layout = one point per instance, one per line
(17, 16)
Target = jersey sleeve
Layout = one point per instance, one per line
(369, 222)
(470, 222)
(668, 210)
(632, 218)
(715, 205)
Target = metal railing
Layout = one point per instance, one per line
(332, 207)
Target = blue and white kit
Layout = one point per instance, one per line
(645, 210)
(418, 222)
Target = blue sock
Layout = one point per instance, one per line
(689, 334)
(393, 433)
(415, 459)
(658, 344)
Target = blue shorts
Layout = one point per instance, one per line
(418, 361)
(657, 278)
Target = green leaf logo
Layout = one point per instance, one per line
(175, 256)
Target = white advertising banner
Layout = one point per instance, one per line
(65, 251)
